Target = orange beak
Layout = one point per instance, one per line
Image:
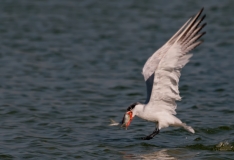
(130, 115)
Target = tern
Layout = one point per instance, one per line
(161, 73)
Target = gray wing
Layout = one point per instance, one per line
(152, 63)
(165, 90)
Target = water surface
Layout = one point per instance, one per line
(68, 66)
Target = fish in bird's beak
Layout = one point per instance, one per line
(127, 118)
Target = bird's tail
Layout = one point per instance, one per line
(188, 128)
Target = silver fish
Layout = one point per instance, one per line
(113, 123)
(125, 120)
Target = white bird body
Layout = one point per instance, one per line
(161, 118)
(162, 72)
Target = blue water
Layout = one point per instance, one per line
(67, 67)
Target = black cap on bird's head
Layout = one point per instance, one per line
(132, 106)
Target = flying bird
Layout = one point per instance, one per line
(161, 73)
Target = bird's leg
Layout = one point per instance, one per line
(155, 132)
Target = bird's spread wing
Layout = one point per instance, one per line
(152, 63)
(163, 76)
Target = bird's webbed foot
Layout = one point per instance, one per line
(151, 136)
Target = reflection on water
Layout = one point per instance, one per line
(164, 154)
(161, 155)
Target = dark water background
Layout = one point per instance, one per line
(66, 67)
